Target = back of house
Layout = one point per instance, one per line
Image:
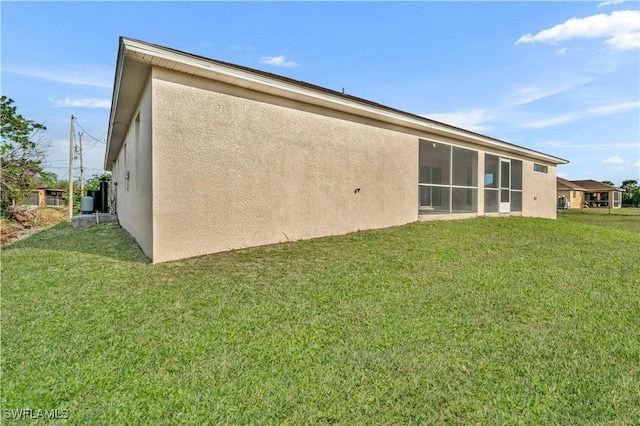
(209, 156)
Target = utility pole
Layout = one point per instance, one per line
(81, 168)
(71, 149)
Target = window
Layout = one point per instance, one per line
(491, 164)
(464, 200)
(516, 175)
(616, 199)
(491, 203)
(539, 168)
(491, 176)
(448, 179)
(516, 201)
(516, 185)
(435, 163)
(465, 166)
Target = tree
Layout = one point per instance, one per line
(631, 193)
(93, 183)
(629, 184)
(50, 179)
(608, 182)
(23, 151)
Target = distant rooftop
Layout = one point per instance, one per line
(585, 185)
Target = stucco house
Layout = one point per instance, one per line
(209, 156)
(590, 193)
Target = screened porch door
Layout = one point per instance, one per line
(505, 185)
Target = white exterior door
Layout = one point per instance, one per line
(505, 185)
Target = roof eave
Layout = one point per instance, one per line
(160, 56)
(114, 103)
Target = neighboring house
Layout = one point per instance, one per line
(589, 193)
(45, 197)
(572, 192)
(598, 194)
(209, 156)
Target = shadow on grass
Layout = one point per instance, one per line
(107, 240)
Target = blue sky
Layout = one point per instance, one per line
(558, 77)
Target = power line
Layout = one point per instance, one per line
(94, 144)
(88, 134)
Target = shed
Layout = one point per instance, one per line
(45, 197)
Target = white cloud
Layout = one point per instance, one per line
(610, 109)
(278, 61)
(470, 119)
(561, 51)
(526, 94)
(88, 75)
(562, 175)
(625, 41)
(591, 112)
(522, 94)
(82, 103)
(610, 3)
(613, 160)
(621, 28)
(636, 164)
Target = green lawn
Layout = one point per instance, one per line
(481, 321)
(627, 219)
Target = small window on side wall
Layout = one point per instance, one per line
(539, 168)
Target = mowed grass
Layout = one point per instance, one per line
(481, 321)
(626, 218)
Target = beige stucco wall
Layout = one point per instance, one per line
(539, 197)
(218, 167)
(233, 170)
(575, 197)
(577, 202)
(133, 196)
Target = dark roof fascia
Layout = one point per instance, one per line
(594, 185)
(564, 184)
